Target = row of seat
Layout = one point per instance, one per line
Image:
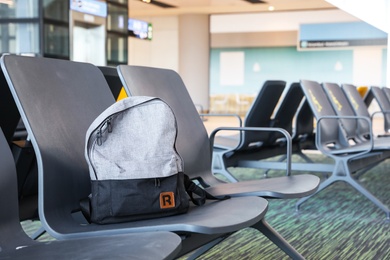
(345, 135)
(57, 100)
(15, 244)
(343, 132)
(382, 97)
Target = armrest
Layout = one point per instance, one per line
(358, 149)
(260, 129)
(383, 113)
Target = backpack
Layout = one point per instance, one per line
(136, 172)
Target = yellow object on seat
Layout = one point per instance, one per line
(362, 90)
(122, 94)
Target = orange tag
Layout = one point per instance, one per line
(167, 200)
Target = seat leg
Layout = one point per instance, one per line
(277, 239)
(342, 173)
(218, 167)
(332, 179)
(368, 195)
(200, 251)
(37, 234)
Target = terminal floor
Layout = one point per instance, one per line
(337, 223)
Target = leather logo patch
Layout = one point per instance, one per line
(167, 200)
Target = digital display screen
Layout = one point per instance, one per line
(140, 29)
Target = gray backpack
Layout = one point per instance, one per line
(136, 172)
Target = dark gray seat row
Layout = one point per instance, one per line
(275, 107)
(59, 99)
(382, 97)
(194, 145)
(15, 244)
(339, 137)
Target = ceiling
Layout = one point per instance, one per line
(137, 8)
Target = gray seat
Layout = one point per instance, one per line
(15, 244)
(113, 81)
(334, 141)
(249, 145)
(358, 127)
(15, 134)
(360, 109)
(194, 145)
(386, 90)
(58, 100)
(384, 104)
(353, 105)
(10, 116)
(294, 115)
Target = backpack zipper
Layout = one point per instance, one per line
(99, 133)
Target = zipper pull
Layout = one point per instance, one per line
(99, 137)
(109, 125)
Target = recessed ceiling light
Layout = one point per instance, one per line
(271, 8)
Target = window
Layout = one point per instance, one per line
(19, 9)
(116, 49)
(19, 38)
(56, 39)
(117, 18)
(56, 10)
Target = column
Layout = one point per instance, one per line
(194, 50)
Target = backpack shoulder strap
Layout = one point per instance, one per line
(202, 195)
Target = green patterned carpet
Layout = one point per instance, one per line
(337, 223)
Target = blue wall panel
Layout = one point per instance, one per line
(284, 63)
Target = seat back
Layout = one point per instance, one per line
(113, 80)
(359, 107)
(320, 106)
(304, 122)
(386, 90)
(342, 107)
(192, 139)
(260, 112)
(383, 103)
(11, 232)
(285, 113)
(9, 116)
(53, 93)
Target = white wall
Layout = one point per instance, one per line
(367, 62)
(274, 21)
(163, 50)
(194, 58)
(367, 66)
